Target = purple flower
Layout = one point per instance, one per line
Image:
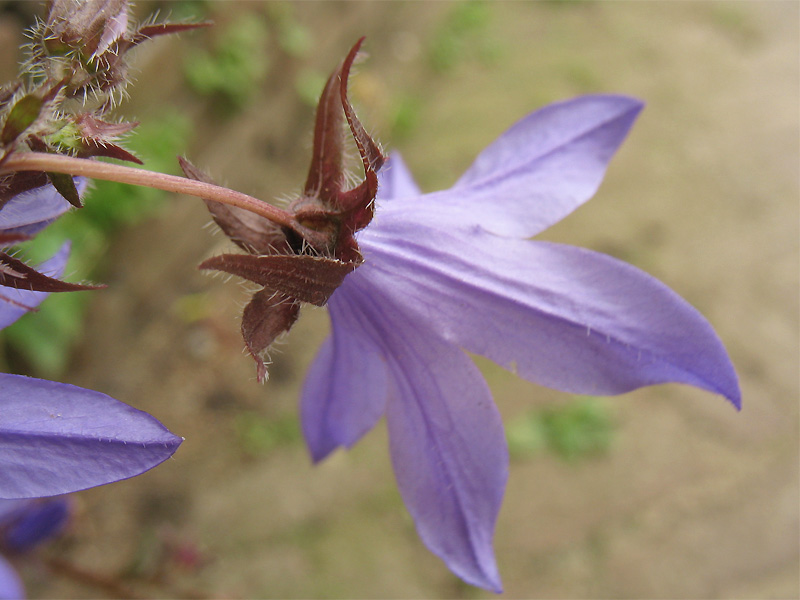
(33, 210)
(10, 583)
(54, 437)
(452, 271)
(22, 216)
(16, 302)
(23, 288)
(57, 438)
(25, 524)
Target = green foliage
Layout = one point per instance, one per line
(567, 3)
(404, 117)
(21, 116)
(294, 38)
(463, 35)
(257, 434)
(44, 339)
(232, 72)
(526, 435)
(729, 18)
(582, 428)
(308, 85)
(186, 10)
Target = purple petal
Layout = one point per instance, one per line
(447, 443)
(344, 393)
(15, 302)
(538, 172)
(37, 522)
(395, 180)
(57, 438)
(564, 317)
(31, 211)
(10, 583)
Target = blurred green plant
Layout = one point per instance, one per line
(730, 19)
(308, 85)
(404, 116)
(44, 343)
(294, 38)
(257, 434)
(567, 3)
(582, 428)
(296, 41)
(462, 35)
(185, 10)
(230, 74)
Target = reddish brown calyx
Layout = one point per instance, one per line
(325, 201)
(308, 261)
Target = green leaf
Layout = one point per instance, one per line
(65, 186)
(20, 117)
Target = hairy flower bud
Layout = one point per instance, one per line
(88, 26)
(84, 43)
(75, 72)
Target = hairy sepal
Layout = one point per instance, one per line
(249, 231)
(267, 316)
(309, 279)
(16, 274)
(309, 262)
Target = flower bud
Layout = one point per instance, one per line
(89, 26)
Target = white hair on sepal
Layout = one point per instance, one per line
(284, 200)
(250, 287)
(212, 227)
(273, 250)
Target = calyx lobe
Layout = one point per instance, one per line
(308, 261)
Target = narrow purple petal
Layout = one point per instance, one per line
(536, 173)
(561, 316)
(57, 438)
(395, 180)
(446, 437)
(344, 393)
(15, 302)
(31, 211)
(10, 583)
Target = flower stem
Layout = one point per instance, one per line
(57, 163)
(110, 585)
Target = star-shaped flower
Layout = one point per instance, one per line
(454, 270)
(433, 275)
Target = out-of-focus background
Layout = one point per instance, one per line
(664, 492)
